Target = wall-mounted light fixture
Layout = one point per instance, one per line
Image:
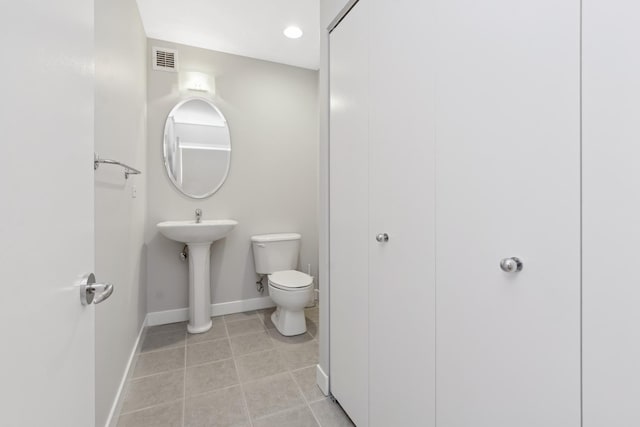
(197, 82)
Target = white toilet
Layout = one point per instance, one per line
(276, 255)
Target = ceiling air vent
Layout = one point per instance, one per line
(165, 59)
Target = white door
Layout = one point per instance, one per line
(508, 185)
(611, 213)
(46, 219)
(348, 214)
(402, 172)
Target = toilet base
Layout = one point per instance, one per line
(289, 323)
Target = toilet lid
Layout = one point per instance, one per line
(290, 279)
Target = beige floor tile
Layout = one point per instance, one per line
(244, 327)
(298, 417)
(208, 351)
(165, 415)
(312, 314)
(330, 414)
(154, 390)
(265, 317)
(217, 331)
(209, 377)
(218, 320)
(272, 394)
(240, 316)
(306, 379)
(258, 365)
(170, 327)
(279, 339)
(278, 374)
(296, 356)
(312, 328)
(220, 408)
(251, 343)
(159, 361)
(163, 341)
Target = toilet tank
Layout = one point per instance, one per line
(275, 252)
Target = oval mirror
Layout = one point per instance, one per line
(197, 147)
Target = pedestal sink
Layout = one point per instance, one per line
(198, 236)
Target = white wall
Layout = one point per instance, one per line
(272, 185)
(329, 9)
(120, 133)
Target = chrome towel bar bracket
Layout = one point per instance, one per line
(128, 170)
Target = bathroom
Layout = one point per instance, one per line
(452, 186)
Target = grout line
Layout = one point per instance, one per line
(155, 374)
(215, 390)
(210, 362)
(304, 398)
(282, 411)
(186, 367)
(245, 334)
(173, 347)
(149, 407)
(242, 392)
(276, 346)
(208, 341)
(184, 385)
(251, 317)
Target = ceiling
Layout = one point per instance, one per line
(243, 27)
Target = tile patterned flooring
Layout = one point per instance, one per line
(242, 372)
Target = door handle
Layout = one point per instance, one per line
(92, 292)
(511, 265)
(382, 237)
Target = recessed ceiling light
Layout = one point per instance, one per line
(293, 32)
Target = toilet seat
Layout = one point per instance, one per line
(290, 280)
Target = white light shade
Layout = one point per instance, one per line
(196, 81)
(293, 32)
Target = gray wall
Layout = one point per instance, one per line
(272, 185)
(120, 133)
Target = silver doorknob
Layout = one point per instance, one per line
(511, 265)
(382, 237)
(92, 292)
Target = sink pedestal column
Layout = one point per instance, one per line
(199, 288)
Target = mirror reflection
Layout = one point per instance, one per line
(197, 147)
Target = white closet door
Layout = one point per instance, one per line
(402, 165)
(611, 213)
(349, 214)
(508, 184)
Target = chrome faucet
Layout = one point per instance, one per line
(198, 216)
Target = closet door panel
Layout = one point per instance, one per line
(402, 270)
(508, 185)
(611, 213)
(349, 214)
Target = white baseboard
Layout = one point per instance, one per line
(168, 316)
(182, 314)
(112, 419)
(322, 380)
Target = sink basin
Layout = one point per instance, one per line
(206, 231)
(198, 236)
